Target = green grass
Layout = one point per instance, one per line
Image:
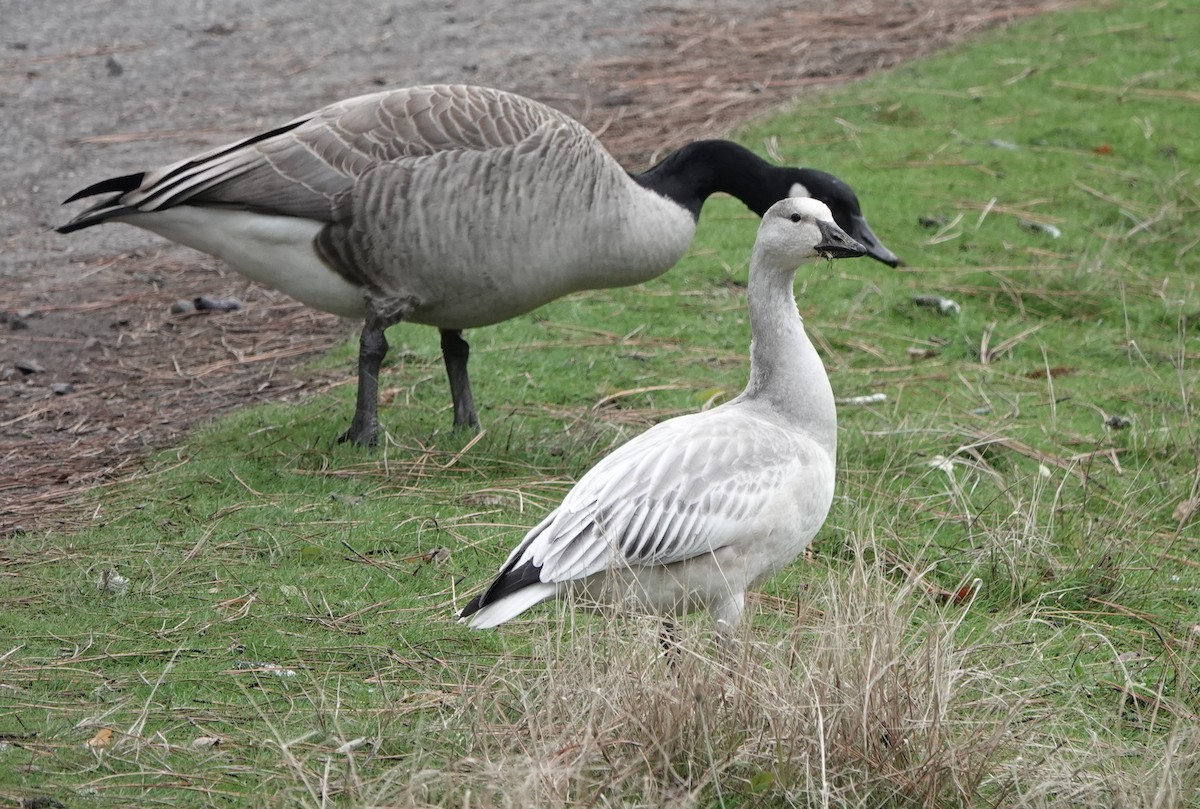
(1002, 610)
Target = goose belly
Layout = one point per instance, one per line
(274, 250)
(677, 589)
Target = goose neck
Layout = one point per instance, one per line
(690, 175)
(786, 372)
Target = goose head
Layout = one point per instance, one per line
(799, 229)
(691, 174)
(843, 205)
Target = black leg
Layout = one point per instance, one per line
(456, 352)
(668, 638)
(372, 348)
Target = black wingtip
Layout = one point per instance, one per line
(98, 213)
(107, 209)
(510, 580)
(113, 185)
(473, 606)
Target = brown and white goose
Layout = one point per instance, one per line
(451, 206)
(691, 513)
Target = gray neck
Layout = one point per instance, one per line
(787, 377)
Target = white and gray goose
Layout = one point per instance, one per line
(451, 206)
(690, 514)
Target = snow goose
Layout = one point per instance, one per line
(699, 508)
(451, 206)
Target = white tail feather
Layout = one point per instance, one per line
(511, 606)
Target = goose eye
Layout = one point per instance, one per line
(796, 217)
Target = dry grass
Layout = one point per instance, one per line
(879, 698)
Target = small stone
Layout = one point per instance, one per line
(1041, 227)
(182, 307)
(352, 745)
(62, 388)
(259, 665)
(943, 305)
(110, 581)
(868, 399)
(114, 67)
(617, 99)
(1186, 510)
(28, 366)
(203, 304)
(41, 802)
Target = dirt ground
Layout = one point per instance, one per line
(95, 368)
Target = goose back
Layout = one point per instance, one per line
(303, 167)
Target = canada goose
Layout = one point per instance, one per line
(691, 513)
(452, 206)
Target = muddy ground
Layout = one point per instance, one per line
(96, 370)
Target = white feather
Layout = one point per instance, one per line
(273, 250)
(495, 614)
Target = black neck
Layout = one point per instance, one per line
(692, 174)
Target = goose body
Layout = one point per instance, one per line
(692, 513)
(446, 205)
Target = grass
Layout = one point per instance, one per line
(1002, 610)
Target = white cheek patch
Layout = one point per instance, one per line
(798, 190)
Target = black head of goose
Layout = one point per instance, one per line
(447, 205)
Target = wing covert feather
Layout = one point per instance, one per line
(666, 496)
(304, 167)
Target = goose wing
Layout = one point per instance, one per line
(687, 487)
(302, 168)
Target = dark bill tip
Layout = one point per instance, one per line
(871, 245)
(836, 243)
